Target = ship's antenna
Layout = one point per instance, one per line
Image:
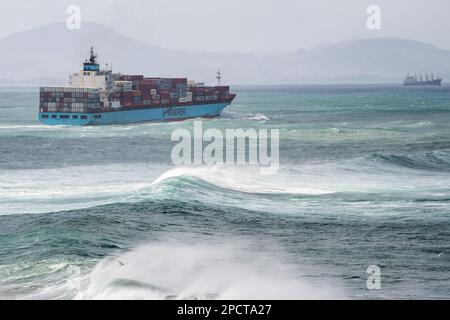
(219, 77)
(93, 56)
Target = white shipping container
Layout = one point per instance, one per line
(124, 85)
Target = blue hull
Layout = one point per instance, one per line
(175, 113)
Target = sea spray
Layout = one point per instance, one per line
(199, 271)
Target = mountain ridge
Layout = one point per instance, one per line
(52, 51)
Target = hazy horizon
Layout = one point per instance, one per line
(319, 45)
(250, 26)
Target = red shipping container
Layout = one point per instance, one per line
(127, 95)
(131, 77)
(149, 82)
(222, 88)
(179, 80)
(147, 87)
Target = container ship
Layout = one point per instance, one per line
(97, 96)
(421, 81)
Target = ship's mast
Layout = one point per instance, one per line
(93, 58)
(218, 77)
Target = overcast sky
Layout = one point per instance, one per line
(241, 25)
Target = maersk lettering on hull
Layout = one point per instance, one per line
(175, 113)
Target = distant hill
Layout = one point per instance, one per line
(52, 51)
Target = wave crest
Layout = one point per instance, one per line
(198, 271)
(432, 160)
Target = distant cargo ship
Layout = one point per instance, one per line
(420, 81)
(101, 97)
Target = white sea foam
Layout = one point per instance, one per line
(39, 130)
(250, 116)
(312, 179)
(170, 270)
(69, 188)
(257, 116)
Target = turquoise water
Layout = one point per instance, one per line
(100, 212)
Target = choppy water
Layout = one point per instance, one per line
(364, 180)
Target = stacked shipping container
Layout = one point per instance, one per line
(168, 91)
(69, 99)
(134, 91)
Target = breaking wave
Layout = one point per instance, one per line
(250, 116)
(199, 271)
(52, 190)
(433, 160)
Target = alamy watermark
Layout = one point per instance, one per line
(73, 21)
(374, 280)
(374, 19)
(232, 147)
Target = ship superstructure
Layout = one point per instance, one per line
(98, 96)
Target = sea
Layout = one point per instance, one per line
(359, 208)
